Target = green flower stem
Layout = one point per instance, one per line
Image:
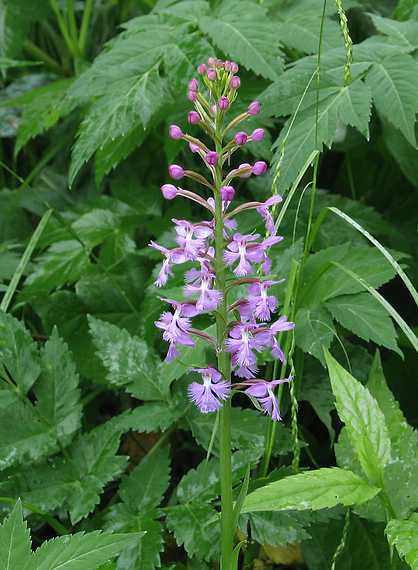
(84, 28)
(272, 426)
(224, 365)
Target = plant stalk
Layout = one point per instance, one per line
(224, 366)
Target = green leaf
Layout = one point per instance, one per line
(63, 263)
(15, 20)
(278, 528)
(394, 83)
(365, 317)
(403, 32)
(146, 553)
(301, 31)
(402, 151)
(18, 356)
(112, 153)
(42, 109)
(145, 486)
(243, 31)
(15, 543)
(316, 389)
(365, 421)
(196, 527)
(314, 330)
(404, 535)
(57, 390)
(400, 474)
(348, 105)
(323, 280)
(320, 489)
(80, 551)
(128, 361)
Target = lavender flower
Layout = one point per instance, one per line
(219, 255)
(263, 392)
(208, 396)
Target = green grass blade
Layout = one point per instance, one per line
(392, 312)
(24, 261)
(382, 250)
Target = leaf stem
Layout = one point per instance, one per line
(85, 22)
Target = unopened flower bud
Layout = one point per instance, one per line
(235, 82)
(248, 167)
(194, 147)
(192, 95)
(234, 67)
(176, 171)
(257, 135)
(241, 137)
(227, 193)
(169, 191)
(212, 61)
(193, 118)
(212, 75)
(175, 132)
(223, 103)
(254, 108)
(193, 85)
(211, 157)
(259, 168)
(201, 69)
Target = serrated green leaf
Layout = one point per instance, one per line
(15, 543)
(42, 109)
(394, 83)
(278, 528)
(404, 535)
(112, 153)
(338, 106)
(63, 263)
(406, 33)
(242, 30)
(316, 389)
(196, 527)
(15, 20)
(145, 555)
(365, 317)
(314, 330)
(128, 361)
(324, 281)
(301, 31)
(18, 356)
(57, 390)
(319, 489)
(145, 486)
(80, 551)
(364, 420)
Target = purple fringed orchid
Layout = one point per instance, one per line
(208, 396)
(222, 257)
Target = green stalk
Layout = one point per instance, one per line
(85, 22)
(272, 426)
(224, 365)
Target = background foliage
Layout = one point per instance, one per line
(113, 467)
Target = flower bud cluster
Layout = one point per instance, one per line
(244, 256)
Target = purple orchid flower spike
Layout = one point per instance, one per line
(263, 392)
(260, 303)
(238, 250)
(209, 396)
(172, 257)
(191, 237)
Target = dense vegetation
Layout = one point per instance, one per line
(102, 455)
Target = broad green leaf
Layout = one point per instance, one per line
(74, 483)
(57, 390)
(15, 543)
(364, 316)
(149, 417)
(323, 280)
(145, 554)
(19, 360)
(319, 489)
(348, 105)
(128, 361)
(404, 535)
(80, 551)
(400, 474)
(112, 153)
(402, 151)
(406, 33)
(316, 389)
(42, 109)
(363, 418)
(243, 31)
(196, 527)
(277, 528)
(394, 83)
(63, 263)
(15, 20)
(145, 486)
(314, 330)
(301, 31)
